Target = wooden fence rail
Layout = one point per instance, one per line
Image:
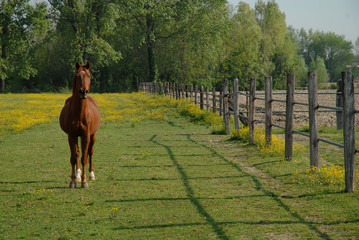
(227, 103)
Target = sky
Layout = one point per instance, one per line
(338, 16)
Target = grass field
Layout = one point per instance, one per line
(161, 176)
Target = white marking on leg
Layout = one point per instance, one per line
(92, 176)
(78, 175)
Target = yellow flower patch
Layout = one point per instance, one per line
(277, 147)
(21, 111)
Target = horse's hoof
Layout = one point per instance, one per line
(92, 176)
(85, 185)
(72, 185)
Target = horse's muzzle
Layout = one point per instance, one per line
(83, 93)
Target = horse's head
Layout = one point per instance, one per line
(82, 80)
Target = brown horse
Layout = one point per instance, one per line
(80, 117)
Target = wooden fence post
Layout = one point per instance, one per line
(235, 103)
(207, 98)
(195, 94)
(251, 109)
(191, 93)
(349, 131)
(187, 94)
(247, 103)
(268, 109)
(220, 103)
(289, 117)
(214, 99)
(339, 103)
(225, 107)
(179, 90)
(201, 97)
(155, 89)
(183, 91)
(313, 116)
(175, 90)
(162, 89)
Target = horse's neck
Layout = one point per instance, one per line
(79, 107)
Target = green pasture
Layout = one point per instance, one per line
(168, 179)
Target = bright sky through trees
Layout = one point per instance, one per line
(338, 16)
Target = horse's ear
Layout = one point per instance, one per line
(88, 65)
(78, 65)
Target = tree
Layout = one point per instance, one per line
(272, 22)
(356, 47)
(175, 26)
(194, 55)
(83, 29)
(243, 61)
(334, 50)
(22, 27)
(319, 66)
(279, 52)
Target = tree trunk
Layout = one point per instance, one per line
(3, 56)
(152, 64)
(3, 48)
(3, 86)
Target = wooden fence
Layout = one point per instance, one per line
(227, 103)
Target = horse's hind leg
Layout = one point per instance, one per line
(75, 154)
(91, 147)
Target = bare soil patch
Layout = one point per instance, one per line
(301, 116)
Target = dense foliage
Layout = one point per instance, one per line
(192, 42)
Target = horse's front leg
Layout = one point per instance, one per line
(75, 156)
(85, 141)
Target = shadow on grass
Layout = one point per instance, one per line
(262, 223)
(183, 198)
(26, 182)
(190, 193)
(217, 226)
(276, 198)
(173, 179)
(314, 194)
